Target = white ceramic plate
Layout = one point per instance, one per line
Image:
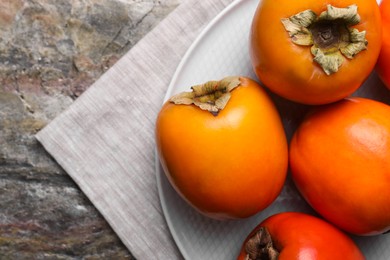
(222, 50)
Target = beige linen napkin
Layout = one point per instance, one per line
(105, 140)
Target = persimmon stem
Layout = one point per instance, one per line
(260, 246)
(330, 34)
(211, 96)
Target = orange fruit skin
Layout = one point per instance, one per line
(339, 159)
(383, 65)
(288, 69)
(228, 166)
(299, 236)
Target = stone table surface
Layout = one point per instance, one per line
(50, 52)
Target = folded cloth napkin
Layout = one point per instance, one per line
(105, 140)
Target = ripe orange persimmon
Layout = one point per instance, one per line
(383, 65)
(315, 52)
(226, 159)
(293, 235)
(339, 158)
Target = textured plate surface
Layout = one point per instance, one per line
(222, 50)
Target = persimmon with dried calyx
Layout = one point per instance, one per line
(223, 147)
(315, 52)
(339, 160)
(293, 235)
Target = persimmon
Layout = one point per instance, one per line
(315, 52)
(293, 235)
(383, 65)
(339, 159)
(223, 147)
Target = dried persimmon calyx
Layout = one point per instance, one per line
(330, 34)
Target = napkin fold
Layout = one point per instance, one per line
(105, 139)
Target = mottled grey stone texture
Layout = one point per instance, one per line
(50, 52)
